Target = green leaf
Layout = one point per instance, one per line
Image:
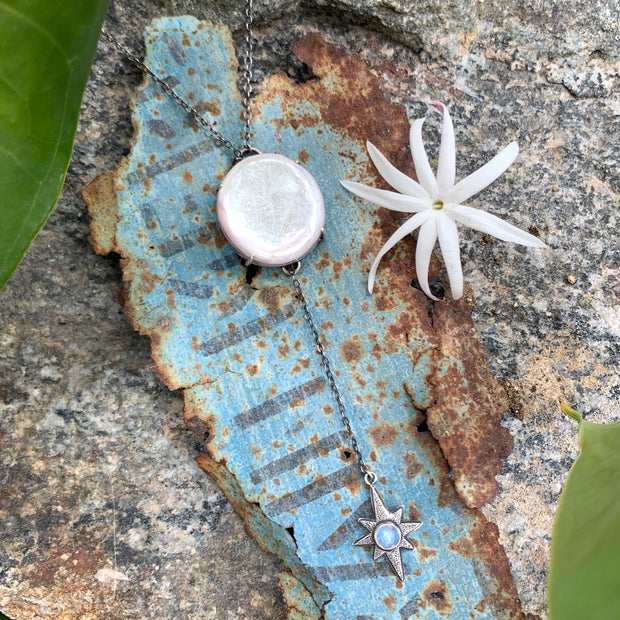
(46, 50)
(584, 577)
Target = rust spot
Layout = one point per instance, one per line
(296, 402)
(346, 454)
(353, 485)
(483, 545)
(185, 40)
(324, 262)
(199, 426)
(447, 494)
(171, 300)
(351, 350)
(390, 602)
(413, 466)
(383, 435)
(413, 514)
(465, 416)
(336, 269)
(146, 182)
(423, 552)
(212, 109)
(436, 596)
(187, 176)
(101, 200)
(362, 111)
(303, 156)
(273, 298)
(252, 370)
(191, 71)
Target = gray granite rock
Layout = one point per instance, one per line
(103, 512)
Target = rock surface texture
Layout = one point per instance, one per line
(98, 485)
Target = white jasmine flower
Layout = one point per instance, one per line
(436, 203)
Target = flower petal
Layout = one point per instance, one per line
(449, 244)
(420, 160)
(397, 179)
(493, 225)
(446, 166)
(408, 227)
(424, 248)
(483, 176)
(387, 199)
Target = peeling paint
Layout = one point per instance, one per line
(236, 341)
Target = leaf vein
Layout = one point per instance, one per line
(28, 20)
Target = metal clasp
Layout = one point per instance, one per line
(370, 478)
(248, 151)
(292, 269)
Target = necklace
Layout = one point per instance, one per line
(271, 211)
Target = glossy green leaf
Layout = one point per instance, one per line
(584, 578)
(46, 50)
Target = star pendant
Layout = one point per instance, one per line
(387, 533)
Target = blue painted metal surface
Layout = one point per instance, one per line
(246, 358)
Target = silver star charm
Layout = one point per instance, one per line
(387, 532)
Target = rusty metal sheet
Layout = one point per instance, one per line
(235, 340)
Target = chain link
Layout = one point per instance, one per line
(369, 476)
(247, 74)
(218, 138)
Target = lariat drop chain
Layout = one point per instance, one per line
(369, 476)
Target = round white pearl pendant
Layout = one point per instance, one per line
(270, 210)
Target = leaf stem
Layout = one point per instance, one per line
(570, 412)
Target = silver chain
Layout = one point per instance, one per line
(218, 138)
(369, 476)
(247, 74)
